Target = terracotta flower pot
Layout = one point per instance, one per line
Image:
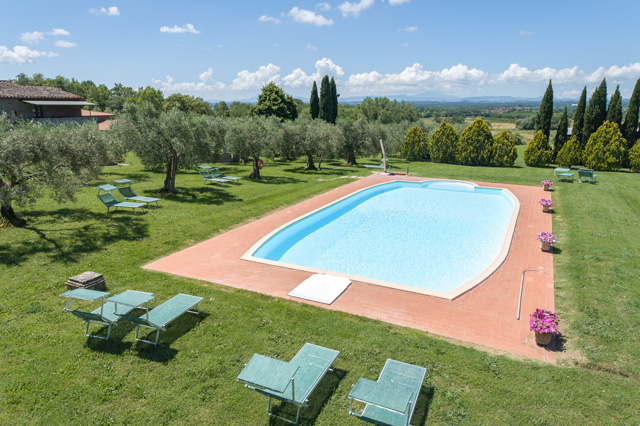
(545, 246)
(545, 208)
(547, 187)
(543, 338)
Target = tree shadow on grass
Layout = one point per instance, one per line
(76, 233)
(317, 400)
(163, 353)
(209, 194)
(277, 180)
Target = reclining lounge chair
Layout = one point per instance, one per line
(207, 178)
(110, 201)
(216, 174)
(128, 194)
(391, 400)
(104, 315)
(586, 174)
(159, 317)
(292, 381)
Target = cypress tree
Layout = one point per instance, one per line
(630, 126)
(543, 119)
(561, 134)
(614, 113)
(596, 112)
(334, 99)
(325, 100)
(314, 102)
(578, 117)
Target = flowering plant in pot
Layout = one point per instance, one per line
(547, 240)
(546, 204)
(546, 184)
(545, 325)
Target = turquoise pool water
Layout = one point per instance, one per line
(435, 235)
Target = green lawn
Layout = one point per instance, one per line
(52, 374)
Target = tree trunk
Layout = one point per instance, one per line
(351, 157)
(320, 163)
(310, 165)
(170, 177)
(7, 212)
(255, 174)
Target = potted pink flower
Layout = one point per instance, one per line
(544, 324)
(546, 204)
(546, 184)
(547, 240)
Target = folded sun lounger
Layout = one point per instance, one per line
(207, 178)
(391, 400)
(103, 315)
(292, 381)
(159, 318)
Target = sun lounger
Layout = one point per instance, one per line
(216, 174)
(110, 201)
(207, 178)
(586, 174)
(385, 163)
(128, 194)
(104, 315)
(392, 399)
(159, 318)
(291, 382)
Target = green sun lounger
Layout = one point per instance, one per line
(128, 194)
(216, 174)
(207, 178)
(586, 174)
(392, 399)
(104, 315)
(159, 318)
(291, 382)
(385, 162)
(110, 201)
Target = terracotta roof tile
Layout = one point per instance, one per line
(10, 90)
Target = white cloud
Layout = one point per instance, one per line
(59, 32)
(397, 2)
(572, 93)
(109, 11)
(308, 17)
(189, 28)
(311, 47)
(64, 43)
(525, 33)
(348, 8)
(404, 45)
(205, 85)
(323, 6)
(614, 73)
(255, 80)
(519, 75)
(32, 38)
(21, 55)
(298, 78)
(265, 18)
(325, 66)
(409, 29)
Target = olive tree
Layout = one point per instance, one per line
(38, 159)
(252, 137)
(171, 139)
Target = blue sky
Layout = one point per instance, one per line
(229, 49)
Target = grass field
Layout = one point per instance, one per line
(52, 374)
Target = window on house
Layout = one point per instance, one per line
(37, 111)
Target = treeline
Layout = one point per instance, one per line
(600, 139)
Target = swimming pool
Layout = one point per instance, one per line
(434, 237)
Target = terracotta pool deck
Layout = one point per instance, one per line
(485, 315)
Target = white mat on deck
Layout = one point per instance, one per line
(321, 288)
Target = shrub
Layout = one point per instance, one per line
(416, 145)
(634, 158)
(517, 137)
(538, 153)
(442, 146)
(503, 150)
(474, 146)
(605, 148)
(570, 153)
